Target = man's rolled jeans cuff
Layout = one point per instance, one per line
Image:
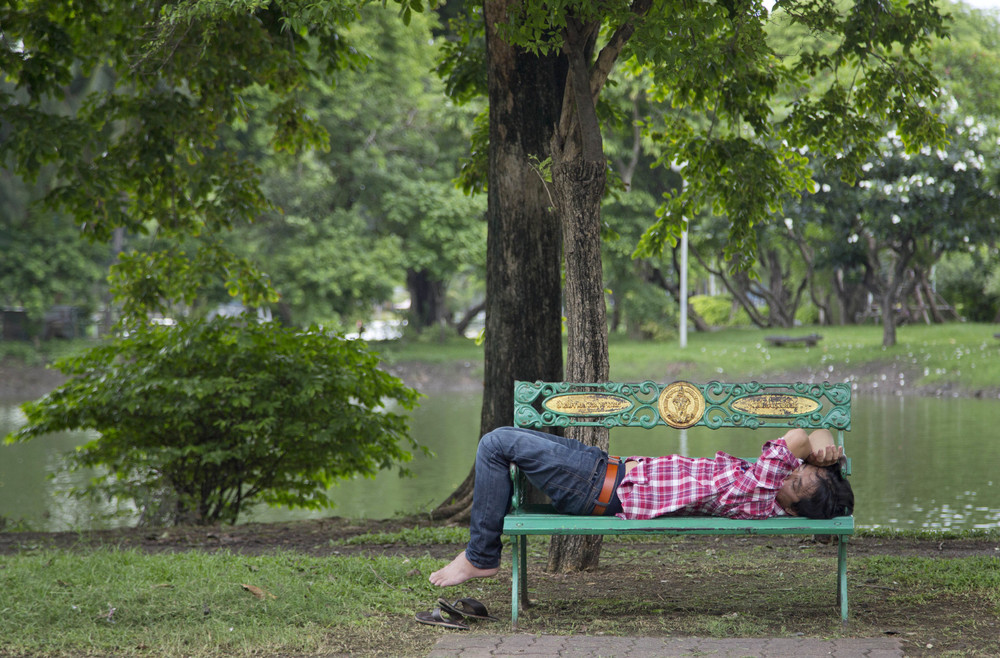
(479, 566)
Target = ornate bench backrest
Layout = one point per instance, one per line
(682, 404)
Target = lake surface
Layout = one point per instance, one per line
(918, 463)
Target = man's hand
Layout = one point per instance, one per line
(825, 456)
(817, 448)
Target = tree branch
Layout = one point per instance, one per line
(610, 52)
(583, 120)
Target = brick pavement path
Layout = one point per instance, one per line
(584, 646)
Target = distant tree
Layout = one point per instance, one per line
(798, 254)
(971, 281)
(907, 211)
(43, 261)
(379, 208)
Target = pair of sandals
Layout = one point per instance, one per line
(455, 614)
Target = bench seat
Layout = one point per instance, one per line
(540, 519)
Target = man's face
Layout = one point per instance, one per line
(799, 484)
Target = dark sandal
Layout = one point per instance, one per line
(470, 608)
(436, 618)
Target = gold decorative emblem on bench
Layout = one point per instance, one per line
(681, 405)
(587, 404)
(775, 404)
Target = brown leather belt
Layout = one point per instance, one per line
(610, 477)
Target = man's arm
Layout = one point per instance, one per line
(818, 448)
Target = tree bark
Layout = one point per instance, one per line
(579, 174)
(523, 337)
(579, 186)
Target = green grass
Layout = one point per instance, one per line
(979, 574)
(932, 535)
(960, 353)
(410, 537)
(125, 602)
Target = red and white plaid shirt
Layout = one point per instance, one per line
(723, 486)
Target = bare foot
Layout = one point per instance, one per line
(459, 571)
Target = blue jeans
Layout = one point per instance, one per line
(569, 472)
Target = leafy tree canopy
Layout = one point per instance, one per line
(143, 154)
(743, 107)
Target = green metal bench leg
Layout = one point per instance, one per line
(842, 577)
(524, 571)
(519, 575)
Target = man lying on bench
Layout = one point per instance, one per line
(798, 474)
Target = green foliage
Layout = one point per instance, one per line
(380, 203)
(19, 351)
(44, 262)
(965, 280)
(140, 149)
(200, 419)
(718, 311)
(968, 63)
(807, 315)
(729, 132)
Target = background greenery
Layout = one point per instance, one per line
(363, 212)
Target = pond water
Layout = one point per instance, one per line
(918, 463)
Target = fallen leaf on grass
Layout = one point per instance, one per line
(258, 592)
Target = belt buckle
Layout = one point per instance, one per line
(607, 489)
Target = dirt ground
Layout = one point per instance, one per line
(319, 537)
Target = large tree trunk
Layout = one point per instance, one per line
(579, 186)
(523, 286)
(579, 174)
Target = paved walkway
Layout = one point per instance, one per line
(460, 645)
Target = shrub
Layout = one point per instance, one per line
(718, 311)
(965, 282)
(199, 419)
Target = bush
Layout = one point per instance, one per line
(649, 313)
(199, 419)
(965, 283)
(718, 311)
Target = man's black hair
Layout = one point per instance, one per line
(833, 496)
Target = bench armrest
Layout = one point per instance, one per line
(517, 496)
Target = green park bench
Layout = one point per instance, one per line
(783, 341)
(679, 405)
